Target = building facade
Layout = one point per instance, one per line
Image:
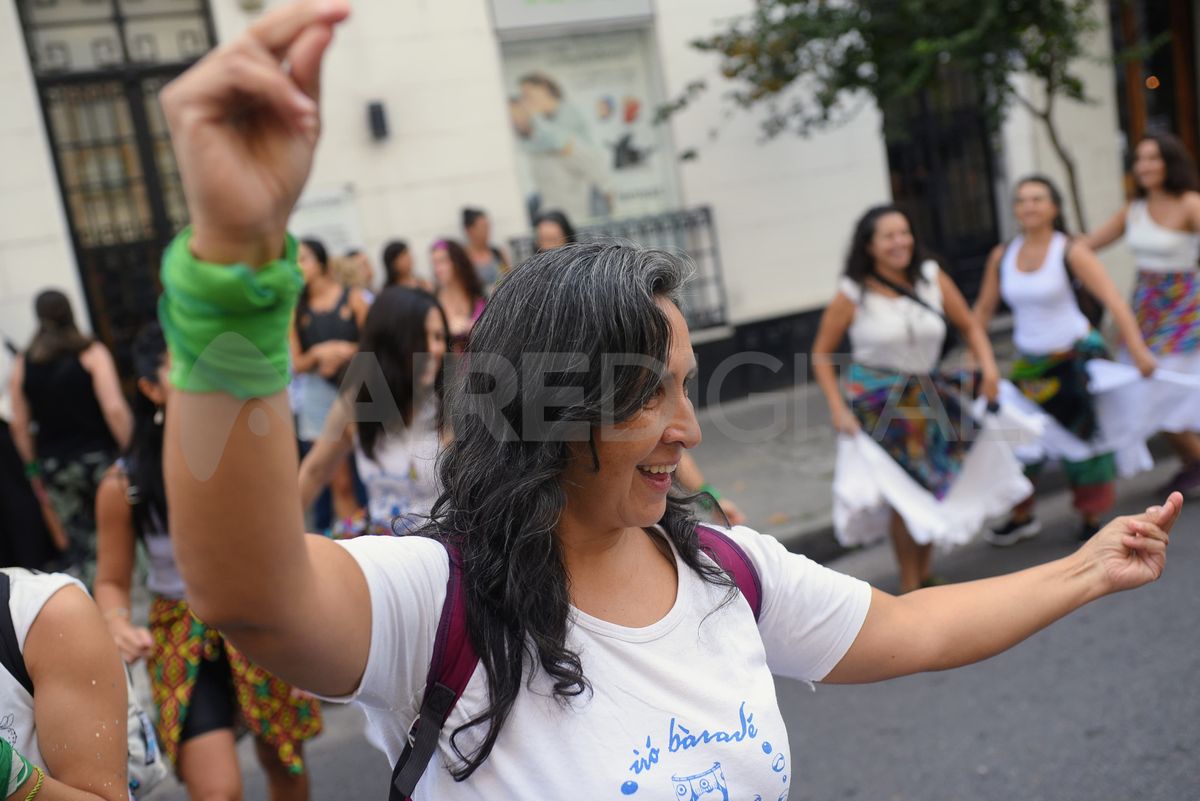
(511, 106)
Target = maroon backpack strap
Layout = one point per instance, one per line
(453, 663)
(730, 557)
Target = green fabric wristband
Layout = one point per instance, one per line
(15, 769)
(33, 469)
(227, 326)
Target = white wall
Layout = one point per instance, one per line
(35, 247)
(1092, 133)
(784, 208)
(435, 65)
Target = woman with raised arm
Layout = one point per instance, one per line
(913, 461)
(602, 630)
(203, 688)
(1033, 274)
(1161, 225)
(395, 449)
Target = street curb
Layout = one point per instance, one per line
(815, 538)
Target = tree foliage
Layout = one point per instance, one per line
(802, 59)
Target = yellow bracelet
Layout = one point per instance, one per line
(37, 788)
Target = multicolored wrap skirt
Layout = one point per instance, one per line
(920, 421)
(1058, 383)
(272, 710)
(1167, 306)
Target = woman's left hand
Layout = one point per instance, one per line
(1132, 551)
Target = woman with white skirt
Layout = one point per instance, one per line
(1057, 347)
(1161, 225)
(913, 461)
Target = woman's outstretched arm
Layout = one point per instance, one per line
(959, 624)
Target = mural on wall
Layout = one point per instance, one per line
(582, 115)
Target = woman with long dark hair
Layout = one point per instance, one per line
(913, 459)
(614, 655)
(329, 317)
(1033, 274)
(406, 338)
(459, 290)
(66, 385)
(1161, 225)
(203, 687)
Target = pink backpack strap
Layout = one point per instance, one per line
(453, 663)
(730, 557)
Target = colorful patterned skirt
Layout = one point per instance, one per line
(273, 711)
(919, 420)
(926, 452)
(1167, 306)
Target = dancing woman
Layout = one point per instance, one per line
(1055, 341)
(1161, 225)
(935, 484)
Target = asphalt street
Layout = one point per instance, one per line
(1103, 706)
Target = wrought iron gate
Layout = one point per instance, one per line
(942, 171)
(99, 66)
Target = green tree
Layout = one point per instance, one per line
(802, 61)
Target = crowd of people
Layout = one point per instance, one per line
(557, 529)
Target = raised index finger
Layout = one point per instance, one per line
(278, 29)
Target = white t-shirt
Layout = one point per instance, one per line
(29, 593)
(679, 709)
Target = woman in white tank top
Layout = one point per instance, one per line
(1161, 225)
(406, 336)
(1033, 274)
(913, 460)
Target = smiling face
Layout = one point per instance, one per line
(1149, 167)
(1034, 207)
(892, 244)
(638, 456)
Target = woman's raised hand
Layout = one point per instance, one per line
(244, 123)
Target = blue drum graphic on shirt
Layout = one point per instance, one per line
(710, 783)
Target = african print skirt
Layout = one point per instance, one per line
(273, 711)
(1167, 306)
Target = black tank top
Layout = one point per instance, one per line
(338, 323)
(63, 404)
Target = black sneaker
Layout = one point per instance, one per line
(1012, 532)
(1088, 530)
